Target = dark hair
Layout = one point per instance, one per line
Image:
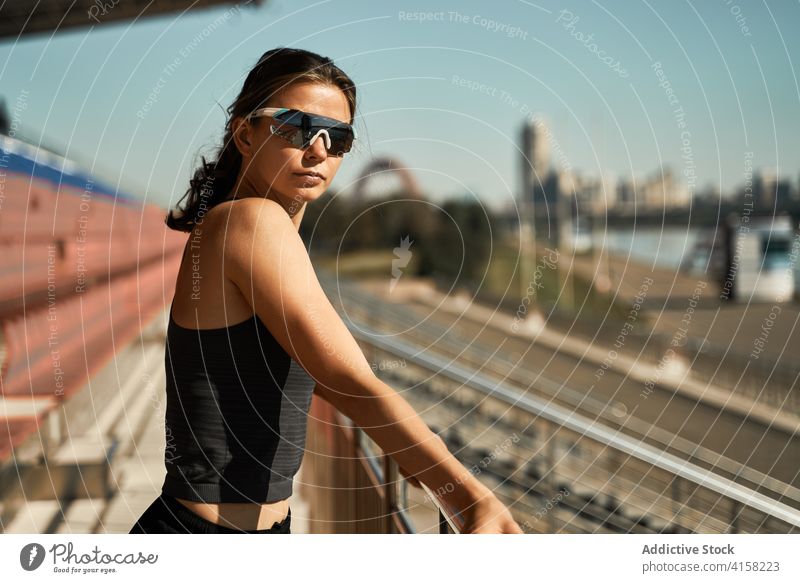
(275, 70)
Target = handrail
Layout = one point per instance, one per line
(582, 425)
(448, 524)
(385, 471)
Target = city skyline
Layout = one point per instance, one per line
(544, 172)
(443, 92)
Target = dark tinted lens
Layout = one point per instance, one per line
(341, 141)
(324, 122)
(291, 116)
(341, 134)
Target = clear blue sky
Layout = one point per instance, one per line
(737, 86)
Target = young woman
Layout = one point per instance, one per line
(252, 335)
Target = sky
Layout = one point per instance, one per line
(624, 87)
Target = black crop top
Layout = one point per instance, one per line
(236, 414)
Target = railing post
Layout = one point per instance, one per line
(389, 493)
(447, 524)
(736, 510)
(444, 528)
(356, 453)
(550, 456)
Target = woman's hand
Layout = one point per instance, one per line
(489, 516)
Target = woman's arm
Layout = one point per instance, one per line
(401, 433)
(268, 262)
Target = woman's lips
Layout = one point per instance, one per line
(309, 179)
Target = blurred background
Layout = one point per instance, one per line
(568, 236)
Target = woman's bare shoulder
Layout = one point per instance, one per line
(257, 208)
(257, 230)
(242, 217)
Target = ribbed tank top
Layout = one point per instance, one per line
(236, 414)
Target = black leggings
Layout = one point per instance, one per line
(168, 516)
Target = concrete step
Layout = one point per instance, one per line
(123, 510)
(34, 517)
(80, 475)
(82, 516)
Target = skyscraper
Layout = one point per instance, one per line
(535, 162)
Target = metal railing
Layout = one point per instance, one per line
(386, 472)
(564, 418)
(353, 487)
(448, 524)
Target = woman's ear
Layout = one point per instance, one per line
(242, 135)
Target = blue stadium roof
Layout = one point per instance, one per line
(28, 160)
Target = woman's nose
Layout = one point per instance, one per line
(317, 149)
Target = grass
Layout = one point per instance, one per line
(501, 285)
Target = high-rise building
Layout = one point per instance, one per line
(626, 196)
(535, 161)
(597, 194)
(662, 190)
(764, 185)
(770, 191)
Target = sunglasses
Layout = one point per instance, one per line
(301, 129)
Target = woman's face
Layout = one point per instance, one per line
(271, 166)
